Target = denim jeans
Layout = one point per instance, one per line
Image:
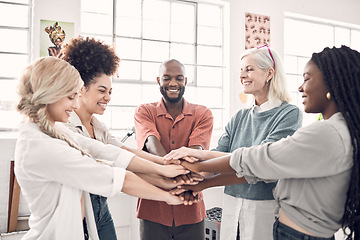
(104, 223)
(283, 232)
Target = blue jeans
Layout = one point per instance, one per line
(283, 232)
(104, 223)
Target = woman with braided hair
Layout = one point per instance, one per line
(57, 168)
(318, 168)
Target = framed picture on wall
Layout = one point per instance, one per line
(257, 30)
(53, 36)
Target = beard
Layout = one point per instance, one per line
(172, 100)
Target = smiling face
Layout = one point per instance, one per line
(172, 82)
(95, 97)
(60, 110)
(254, 79)
(314, 91)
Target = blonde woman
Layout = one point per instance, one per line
(57, 168)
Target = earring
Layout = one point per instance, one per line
(328, 96)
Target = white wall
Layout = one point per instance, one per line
(343, 11)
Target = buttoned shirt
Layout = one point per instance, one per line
(193, 126)
(53, 176)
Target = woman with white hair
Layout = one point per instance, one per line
(249, 209)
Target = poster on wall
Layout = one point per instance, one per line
(257, 30)
(53, 36)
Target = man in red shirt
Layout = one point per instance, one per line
(164, 126)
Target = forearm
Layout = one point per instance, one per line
(191, 154)
(206, 154)
(158, 181)
(216, 154)
(140, 165)
(219, 180)
(145, 155)
(135, 186)
(216, 165)
(223, 180)
(154, 146)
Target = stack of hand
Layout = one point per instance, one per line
(186, 186)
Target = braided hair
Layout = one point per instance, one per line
(43, 82)
(341, 72)
(91, 58)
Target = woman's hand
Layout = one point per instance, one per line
(173, 200)
(168, 183)
(194, 188)
(196, 177)
(193, 167)
(190, 178)
(172, 170)
(187, 154)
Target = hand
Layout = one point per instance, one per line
(193, 167)
(169, 183)
(187, 154)
(171, 161)
(190, 178)
(194, 188)
(172, 170)
(196, 177)
(173, 200)
(189, 198)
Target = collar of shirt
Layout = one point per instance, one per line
(161, 109)
(266, 106)
(74, 119)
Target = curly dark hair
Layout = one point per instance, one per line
(341, 71)
(91, 58)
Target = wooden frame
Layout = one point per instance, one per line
(14, 199)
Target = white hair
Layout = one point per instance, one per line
(278, 86)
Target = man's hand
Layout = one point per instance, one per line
(189, 198)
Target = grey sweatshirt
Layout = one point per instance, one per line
(313, 168)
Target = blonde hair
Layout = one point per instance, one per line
(277, 88)
(43, 82)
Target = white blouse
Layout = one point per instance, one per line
(101, 132)
(53, 176)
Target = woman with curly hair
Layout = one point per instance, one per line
(317, 168)
(96, 63)
(57, 168)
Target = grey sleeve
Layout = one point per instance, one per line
(313, 151)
